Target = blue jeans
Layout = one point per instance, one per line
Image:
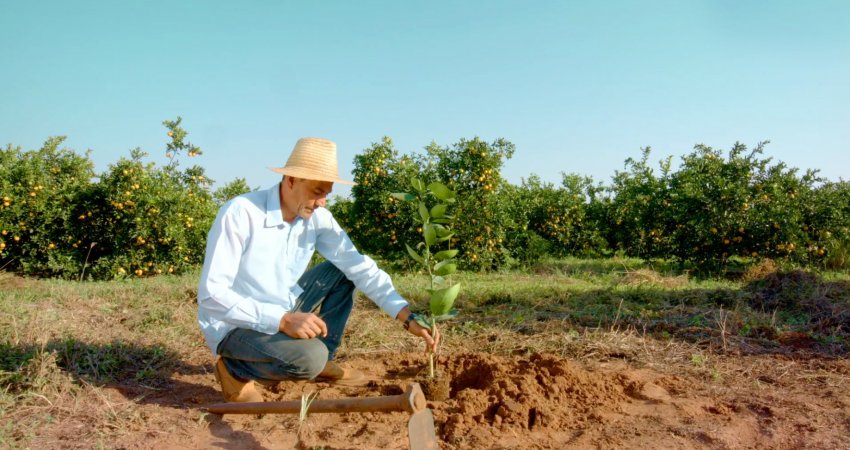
(251, 355)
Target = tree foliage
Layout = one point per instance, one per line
(714, 208)
(136, 219)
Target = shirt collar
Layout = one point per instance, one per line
(274, 215)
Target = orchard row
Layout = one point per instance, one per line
(58, 218)
(61, 219)
(715, 207)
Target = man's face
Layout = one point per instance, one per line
(304, 197)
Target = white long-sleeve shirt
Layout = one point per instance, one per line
(254, 259)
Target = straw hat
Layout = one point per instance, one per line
(313, 159)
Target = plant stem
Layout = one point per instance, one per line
(433, 322)
(428, 265)
(431, 354)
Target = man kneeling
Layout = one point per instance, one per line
(262, 312)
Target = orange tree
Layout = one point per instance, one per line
(155, 220)
(826, 223)
(472, 168)
(715, 207)
(520, 203)
(553, 221)
(135, 219)
(741, 205)
(38, 190)
(379, 223)
(575, 221)
(636, 211)
(142, 220)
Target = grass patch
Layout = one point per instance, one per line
(587, 295)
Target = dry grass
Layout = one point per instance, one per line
(651, 277)
(9, 281)
(66, 347)
(46, 394)
(760, 270)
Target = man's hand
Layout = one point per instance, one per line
(302, 325)
(431, 342)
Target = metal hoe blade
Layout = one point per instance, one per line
(420, 431)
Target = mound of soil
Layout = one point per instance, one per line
(492, 396)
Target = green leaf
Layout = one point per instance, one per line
(423, 322)
(429, 233)
(444, 268)
(438, 211)
(417, 184)
(423, 211)
(441, 230)
(441, 191)
(445, 254)
(443, 299)
(403, 196)
(438, 280)
(447, 316)
(416, 257)
(446, 237)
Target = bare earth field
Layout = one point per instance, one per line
(531, 401)
(548, 388)
(528, 401)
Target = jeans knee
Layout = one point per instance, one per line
(312, 360)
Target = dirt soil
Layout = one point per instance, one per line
(525, 401)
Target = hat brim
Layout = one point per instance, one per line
(309, 175)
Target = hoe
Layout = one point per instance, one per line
(420, 426)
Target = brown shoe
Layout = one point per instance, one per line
(233, 389)
(336, 374)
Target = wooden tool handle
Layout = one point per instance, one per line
(412, 400)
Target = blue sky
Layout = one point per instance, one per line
(577, 86)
